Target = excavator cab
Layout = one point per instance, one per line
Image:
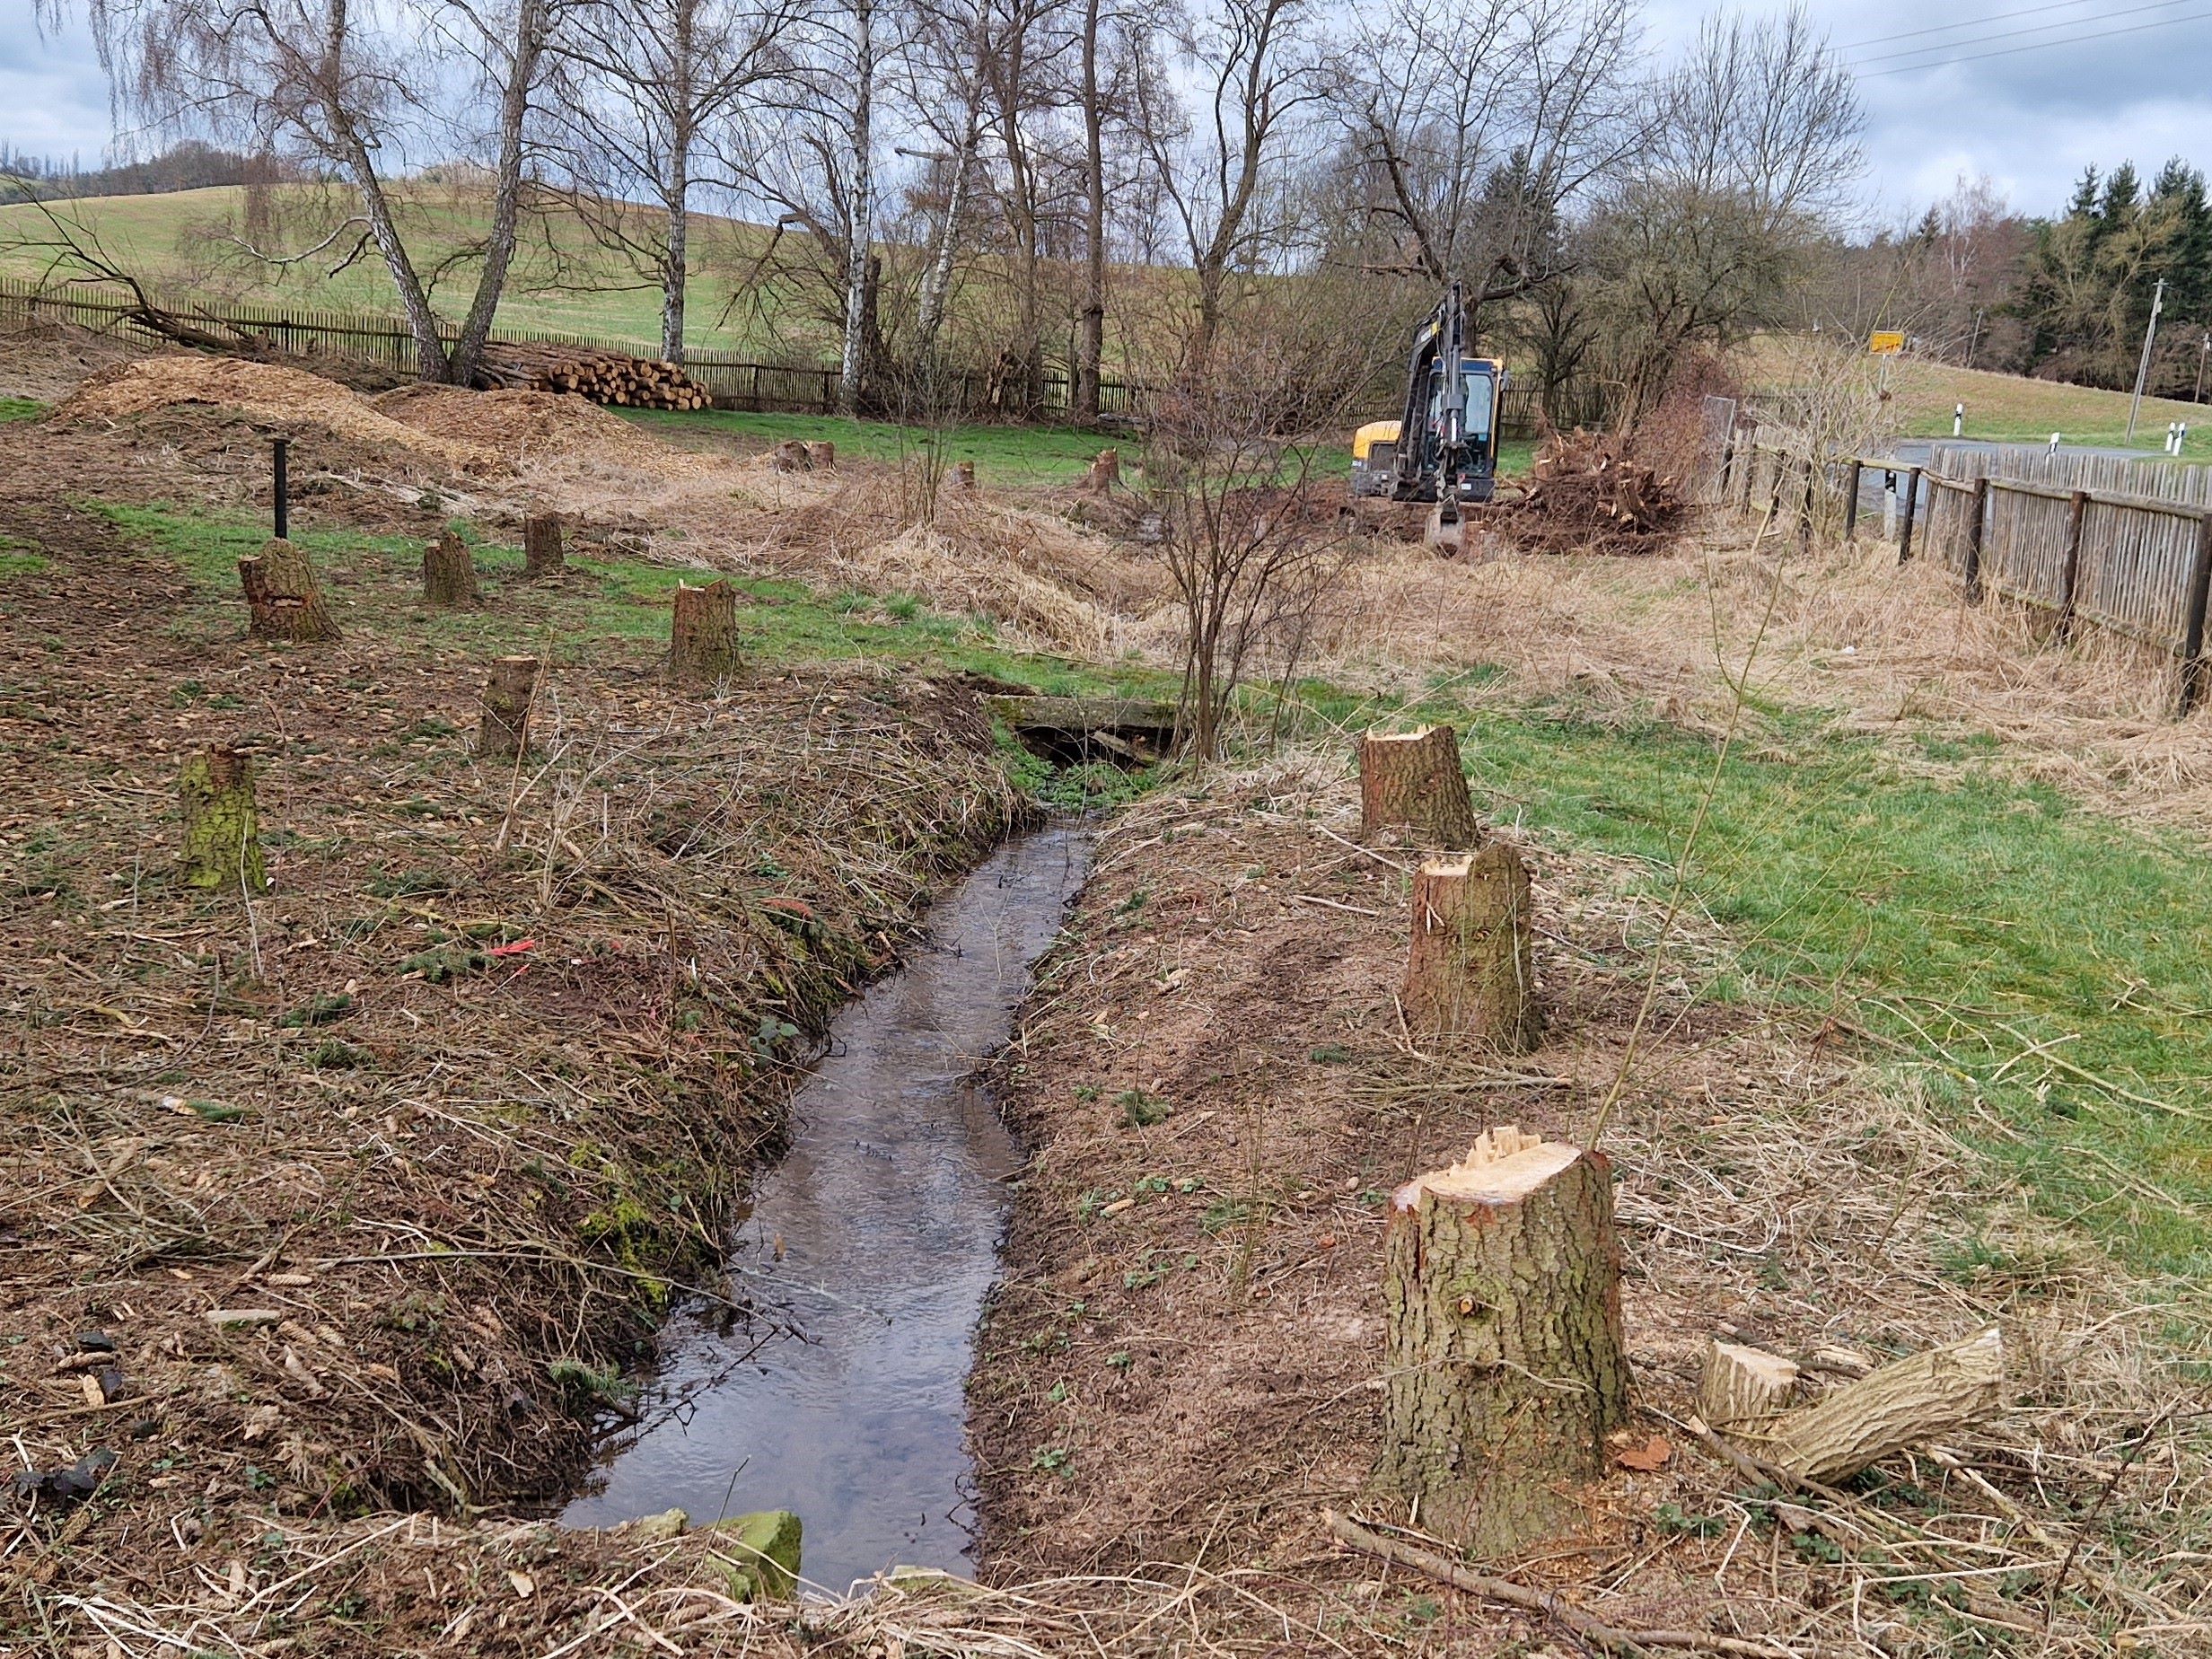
(1443, 449)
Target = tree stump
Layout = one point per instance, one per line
(449, 572)
(1470, 970)
(283, 600)
(823, 452)
(964, 476)
(1105, 472)
(221, 830)
(1744, 1387)
(509, 691)
(541, 546)
(1502, 1354)
(791, 456)
(702, 642)
(1414, 778)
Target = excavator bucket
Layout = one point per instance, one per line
(1446, 533)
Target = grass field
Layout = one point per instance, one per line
(2013, 408)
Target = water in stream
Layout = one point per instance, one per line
(876, 1241)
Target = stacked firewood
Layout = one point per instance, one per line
(1588, 493)
(602, 376)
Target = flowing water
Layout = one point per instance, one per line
(870, 1249)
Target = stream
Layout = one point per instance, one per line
(868, 1250)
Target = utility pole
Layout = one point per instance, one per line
(2143, 367)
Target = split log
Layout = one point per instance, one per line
(1925, 1397)
(1470, 972)
(702, 642)
(1743, 1388)
(541, 546)
(449, 573)
(791, 456)
(1504, 1366)
(1414, 778)
(221, 830)
(823, 452)
(283, 600)
(1105, 472)
(509, 692)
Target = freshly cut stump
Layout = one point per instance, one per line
(283, 600)
(964, 476)
(1105, 472)
(791, 456)
(702, 643)
(221, 830)
(509, 691)
(1742, 1387)
(449, 572)
(1413, 778)
(541, 546)
(1470, 974)
(823, 452)
(1928, 1397)
(1503, 1354)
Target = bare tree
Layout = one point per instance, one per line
(318, 81)
(648, 85)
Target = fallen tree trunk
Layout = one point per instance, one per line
(1504, 1363)
(1928, 1397)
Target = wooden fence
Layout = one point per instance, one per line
(2103, 540)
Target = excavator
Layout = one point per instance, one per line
(1443, 449)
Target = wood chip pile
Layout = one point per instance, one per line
(1586, 494)
(601, 377)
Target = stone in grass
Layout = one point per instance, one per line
(760, 1554)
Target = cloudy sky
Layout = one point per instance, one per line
(1947, 87)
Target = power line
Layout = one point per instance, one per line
(2035, 45)
(1974, 22)
(2013, 34)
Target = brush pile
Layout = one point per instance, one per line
(602, 376)
(1589, 493)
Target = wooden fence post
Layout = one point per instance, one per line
(1851, 501)
(2192, 636)
(2072, 579)
(1973, 540)
(1814, 471)
(1912, 502)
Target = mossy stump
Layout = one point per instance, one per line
(283, 599)
(542, 554)
(1504, 1361)
(1413, 781)
(509, 691)
(1470, 972)
(221, 830)
(702, 641)
(449, 572)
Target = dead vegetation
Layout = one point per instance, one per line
(1590, 493)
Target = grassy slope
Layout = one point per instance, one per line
(2013, 408)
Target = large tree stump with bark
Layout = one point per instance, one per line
(510, 690)
(541, 546)
(221, 830)
(283, 599)
(1470, 972)
(823, 452)
(1928, 1397)
(1413, 778)
(449, 572)
(791, 456)
(702, 642)
(1503, 1356)
(1105, 473)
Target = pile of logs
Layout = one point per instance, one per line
(601, 377)
(1588, 493)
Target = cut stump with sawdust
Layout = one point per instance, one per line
(283, 599)
(1471, 970)
(222, 849)
(541, 546)
(449, 572)
(702, 641)
(1911, 1402)
(1503, 1363)
(509, 691)
(1413, 779)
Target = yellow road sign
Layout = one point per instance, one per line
(1886, 343)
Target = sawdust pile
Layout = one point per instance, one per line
(264, 391)
(1589, 493)
(519, 425)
